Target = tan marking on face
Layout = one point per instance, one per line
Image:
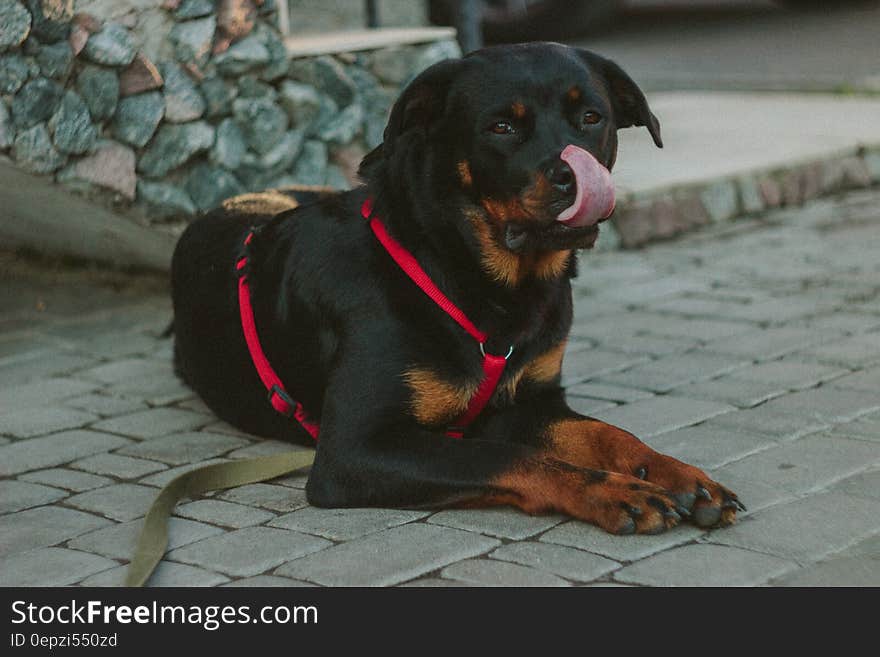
(504, 211)
(574, 94)
(499, 263)
(436, 400)
(509, 268)
(518, 109)
(547, 366)
(464, 173)
(551, 265)
(268, 202)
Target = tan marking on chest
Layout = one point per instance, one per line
(464, 173)
(436, 400)
(547, 366)
(269, 202)
(510, 268)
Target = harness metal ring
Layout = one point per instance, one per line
(507, 356)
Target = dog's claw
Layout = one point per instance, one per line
(683, 512)
(705, 494)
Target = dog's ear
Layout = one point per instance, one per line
(630, 106)
(422, 102)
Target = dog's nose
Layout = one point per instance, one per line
(561, 177)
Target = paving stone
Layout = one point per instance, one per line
(50, 567)
(437, 582)
(266, 580)
(865, 484)
(586, 364)
(864, 428)
(276, 498)
(706, 446)
(792, 374)
(705, 565)
(105, 405)
(587, 406)
(42, 392)
(49, 451)
(42, 527)
(40, 364)
(805, 530)
(564, 561)
(18, 495)
(167, 573)
(119, 541)
(68, 479)
(388, 557)
(502, 522)
(487, 572)
(158, 390)
(806, 464)
(127, 369)
(180, 448)
(755, 493)
(649, 345)
(858, 572)
(153, 423)
(772, 422)
(640, 292)
(119, 501)
(37, 421)
(698, 329)
(651, 417)
(607, 392)
(867, 380)
(736, 392)
(265, 448)
(123, 467)
(671, 372)
(218, 512)
(249, 551)
(766, 344)
(345, 524)
(582, 536)
(779, 310)
(853, 352)
(827, 403)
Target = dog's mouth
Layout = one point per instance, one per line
(549, 236)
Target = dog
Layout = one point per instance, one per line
(493, 173)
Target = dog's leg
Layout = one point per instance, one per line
(561, 434)
(410, 467)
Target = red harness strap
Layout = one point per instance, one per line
(493, 366)
(278, 396)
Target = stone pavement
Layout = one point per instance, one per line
(751, 349)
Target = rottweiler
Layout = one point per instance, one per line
(493, 173)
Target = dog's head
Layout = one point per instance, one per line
(519, 139)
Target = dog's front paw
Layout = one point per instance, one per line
(625, 505)
(709, 503)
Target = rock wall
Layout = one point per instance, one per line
(162, 108)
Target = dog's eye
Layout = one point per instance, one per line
(502, 128)
(590, 118)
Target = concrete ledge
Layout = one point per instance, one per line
(358, 40)
(41, 216)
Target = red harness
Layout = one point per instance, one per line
(493, 366)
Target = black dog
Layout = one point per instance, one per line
(493, 171)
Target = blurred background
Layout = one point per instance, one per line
(665, 44)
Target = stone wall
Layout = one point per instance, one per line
(162, 108)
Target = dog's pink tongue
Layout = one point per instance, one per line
(595, 191)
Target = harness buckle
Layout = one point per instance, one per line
(506, 357)
(281, 392)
